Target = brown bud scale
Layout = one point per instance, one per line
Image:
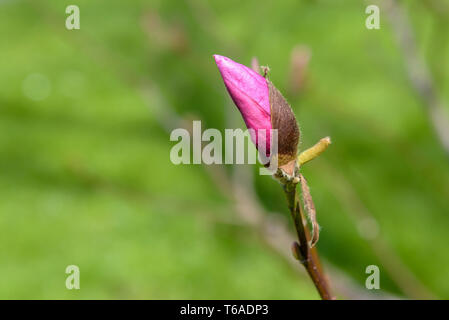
(283, 119)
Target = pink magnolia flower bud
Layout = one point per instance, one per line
(249, 91)
(262, 107)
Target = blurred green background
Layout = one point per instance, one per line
(85, 174)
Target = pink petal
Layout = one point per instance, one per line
(249, 91)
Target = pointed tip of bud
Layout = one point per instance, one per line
(238, 77)
(218, 58)
(221, 62)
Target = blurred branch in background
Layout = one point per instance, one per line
(170, 37)
(255, 64)
(418, 71)
(299, 61)
(438, 46)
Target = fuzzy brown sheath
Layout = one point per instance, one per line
(283, 119)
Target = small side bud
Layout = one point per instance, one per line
(265, 70)
(296, 251)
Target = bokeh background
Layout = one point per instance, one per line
(85, 174)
